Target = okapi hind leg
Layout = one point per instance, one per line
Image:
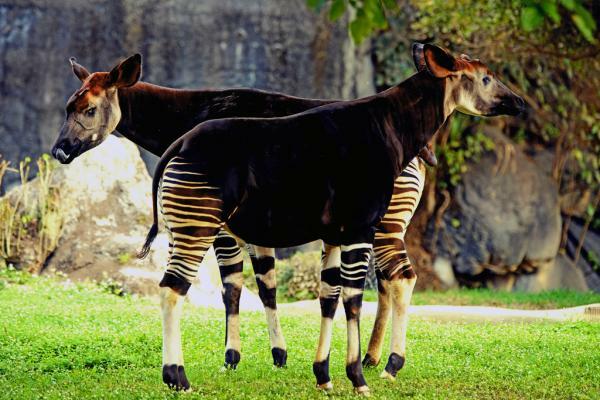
(384, 307)
(263, 263)
(173, 371)
(395, 273)
(192, 209)
(230, 260)
(399, 278)
(329, 295)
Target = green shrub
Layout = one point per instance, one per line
(30, 217)
(298, 277)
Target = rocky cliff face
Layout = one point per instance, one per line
(504, 226)
(269, 44)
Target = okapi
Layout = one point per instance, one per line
(153, 117)
(291, 180)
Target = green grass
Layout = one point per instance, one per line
(78, 342)
(484, 297)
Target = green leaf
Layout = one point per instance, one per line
(587, 16)
(531, 18)
(550, 8)
(390, 5)
(315, 4)
(338, 7)
(359, 29)
(568, 4)
(584, 29)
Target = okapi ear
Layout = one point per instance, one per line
(127, 73)
(439, 62)
(418, 56)
(79, 70)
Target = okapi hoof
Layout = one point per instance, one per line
(362, 391)
(174, 377)
(394, 364)
(355, 374)
(321, 371)
(232, 359)
(279, 357)
(386, 375)
(369, 362)
(326, 387)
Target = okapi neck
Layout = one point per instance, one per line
(153, 117)
(416, 114)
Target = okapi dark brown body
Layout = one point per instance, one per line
(319, 174)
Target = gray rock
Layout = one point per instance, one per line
(559, 273)
(106, 209)
(509, 218)
(269, 44)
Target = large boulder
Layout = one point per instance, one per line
(106, 210)
(503, 228)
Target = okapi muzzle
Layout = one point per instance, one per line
(93, 111)
(66, 149)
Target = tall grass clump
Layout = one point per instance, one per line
(30, 216)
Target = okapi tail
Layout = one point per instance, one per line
(158, 173)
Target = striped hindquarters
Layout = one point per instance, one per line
(192, 210)
(389, 248)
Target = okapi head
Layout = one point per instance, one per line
(93, 111)
(471, 87)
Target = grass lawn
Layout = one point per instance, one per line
(484, 297)
(77, 342)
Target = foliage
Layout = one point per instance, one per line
(30, 217)
(367, 16)
(76, 342)
(299, 276)
(535, 12)
(458, 149)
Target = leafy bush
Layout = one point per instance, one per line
(298, 277)
(30, 217)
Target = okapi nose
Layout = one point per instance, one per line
(60, 155)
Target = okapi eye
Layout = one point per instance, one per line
(90, 112)
(486, 80)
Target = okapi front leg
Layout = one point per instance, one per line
(329, 295)
(229, 257)
(355, 262)
(263, 263)
(399, 277)
(192, 211)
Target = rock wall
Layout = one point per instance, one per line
(504, 226)
(269, 44)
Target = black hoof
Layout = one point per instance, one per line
(279, 357)
(369, 362)
(321, 371)
(232, 359)
(174, 377)
(394, 364)
(355, 374)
